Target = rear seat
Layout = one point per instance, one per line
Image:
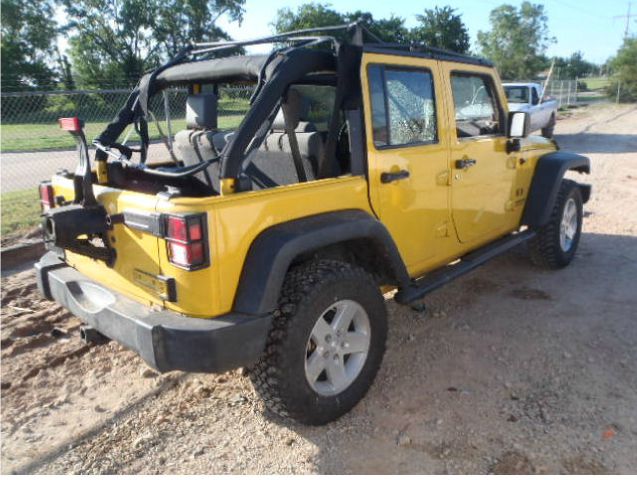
(201, 141)
(309, 139)
(268, 166)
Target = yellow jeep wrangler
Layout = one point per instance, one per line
(359, 168)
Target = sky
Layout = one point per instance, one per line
(585, 25)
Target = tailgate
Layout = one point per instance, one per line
(136, 265)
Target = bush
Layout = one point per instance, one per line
(625, 68)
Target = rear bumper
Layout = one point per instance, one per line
(165, 340)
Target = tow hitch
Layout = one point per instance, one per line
(81, 227)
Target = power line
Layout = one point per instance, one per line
(628, 16)
(578, 9)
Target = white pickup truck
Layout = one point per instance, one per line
(525, 97)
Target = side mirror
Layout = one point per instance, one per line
(518, 125)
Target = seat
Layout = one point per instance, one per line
(268, 166)
(273, 164)
(311, 142)
(201, 141)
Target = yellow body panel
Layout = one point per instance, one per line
(435, 216)
(135, 249)
(481, 195)
(415, 210)
(234, 221)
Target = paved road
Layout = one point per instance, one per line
(27, 169)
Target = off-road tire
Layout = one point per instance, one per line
(545, 248)
(547, 132)
(279, 376)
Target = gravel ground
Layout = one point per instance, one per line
(511, 369)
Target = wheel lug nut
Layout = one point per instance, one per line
(328, 338)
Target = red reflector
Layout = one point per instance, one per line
(47, 198)
(70, 124)
(177, 229)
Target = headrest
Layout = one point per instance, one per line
(201, 111)
(298, 108)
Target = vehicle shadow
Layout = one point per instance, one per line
(501, 358)
(598, 142)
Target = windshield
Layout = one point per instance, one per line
(517, 94)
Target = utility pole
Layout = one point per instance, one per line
(628, 16)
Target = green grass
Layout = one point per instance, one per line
(596, 83)
(43, 136)
(22, 137)
(20, 211)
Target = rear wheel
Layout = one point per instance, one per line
(556, 243)
(326, 344)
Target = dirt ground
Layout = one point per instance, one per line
(511, 369)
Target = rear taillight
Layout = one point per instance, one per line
(186, 240)
(71, 124)
(47, 198)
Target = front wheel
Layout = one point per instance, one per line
(548, 131)
(326, 343)
(555, 244)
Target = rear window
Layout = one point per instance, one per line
(517, 94)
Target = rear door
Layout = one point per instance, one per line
(136, 267)
(407, 153)
(483, 175)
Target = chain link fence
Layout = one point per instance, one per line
(33, 147)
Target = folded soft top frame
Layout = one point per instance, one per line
(299, 61)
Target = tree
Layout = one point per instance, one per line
(574, 66)
(115, 41)
(517, 40)
(182, 21)
(112, 42)
(390, 29)
(312, 15)
(624, 66)
(309, 15)
(441, 28)
(28, 37)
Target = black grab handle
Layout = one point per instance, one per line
(388, 177)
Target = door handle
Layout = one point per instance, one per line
(465, 163)
(388, 177)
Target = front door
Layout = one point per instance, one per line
(408, 155)
(483, 173)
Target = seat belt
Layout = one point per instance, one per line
(294, 144)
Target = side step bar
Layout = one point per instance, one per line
(469, 262)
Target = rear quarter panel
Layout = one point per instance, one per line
(234, 221)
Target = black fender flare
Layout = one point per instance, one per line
(275, 249)
(545, 185)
